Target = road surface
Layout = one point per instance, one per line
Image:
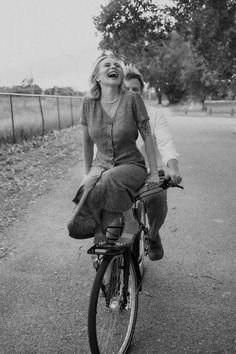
(188, 299)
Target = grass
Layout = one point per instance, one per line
(28, 119)
(226, 109)
(27, 116)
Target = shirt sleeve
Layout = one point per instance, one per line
(164, 138)
(84, 112)
(139, 109)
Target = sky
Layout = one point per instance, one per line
(53, 41)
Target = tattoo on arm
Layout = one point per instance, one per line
(145, 128)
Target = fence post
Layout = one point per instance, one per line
(71, 110)
(12, 121)
(41, 110)
(58, 112)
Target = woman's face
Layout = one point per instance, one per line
(110, 72)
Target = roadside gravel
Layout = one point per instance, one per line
(31, 169)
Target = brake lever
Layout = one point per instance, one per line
(178, 186)
(168, 183)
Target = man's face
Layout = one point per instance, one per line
(133, 85)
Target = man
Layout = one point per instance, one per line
(167, 157)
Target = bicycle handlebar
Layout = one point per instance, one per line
(166, 183)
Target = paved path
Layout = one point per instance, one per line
(188, 299)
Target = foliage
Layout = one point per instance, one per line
(29, 89)
(135, 31)
(128, 27)
(27, 82)
(61, 91)
(186, 48)
(139, 32)
(165, 68)
(210, 28)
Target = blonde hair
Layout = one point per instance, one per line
(95, 88)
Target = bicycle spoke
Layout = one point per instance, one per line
(115, 320)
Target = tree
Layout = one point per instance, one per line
(165, 68)
(187, 48)
(27, 82)
(128, 26)
(138, 32)
(209, 26)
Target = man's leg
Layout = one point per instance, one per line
(156, 211)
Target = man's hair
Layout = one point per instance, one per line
(134, 75)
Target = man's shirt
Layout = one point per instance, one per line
(162, 137)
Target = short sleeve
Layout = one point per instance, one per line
(84, 112)
(139, 109)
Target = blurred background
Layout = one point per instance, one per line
(185, 51)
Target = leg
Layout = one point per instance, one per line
(109, 194)
(156, 211)
(117, 189)
(131, 225)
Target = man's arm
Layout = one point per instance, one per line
(166, 146)
(164, 138)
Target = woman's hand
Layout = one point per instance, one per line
(88, 148)
(153, 180)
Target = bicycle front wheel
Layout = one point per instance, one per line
(113, 308)
(140, 247)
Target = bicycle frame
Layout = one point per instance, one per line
(120, 265)
(121, 247)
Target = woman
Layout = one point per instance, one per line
(111, 119)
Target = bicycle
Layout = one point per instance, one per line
(113, 305)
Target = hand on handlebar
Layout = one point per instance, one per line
(174, 174)
(153, 180)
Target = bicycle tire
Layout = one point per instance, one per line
(111, 327)
(140, 250)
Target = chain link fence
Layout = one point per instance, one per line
(23, 116)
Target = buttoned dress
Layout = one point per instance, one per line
(118, 169)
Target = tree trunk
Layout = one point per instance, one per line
(159, 95)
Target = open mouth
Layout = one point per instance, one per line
(113, 74)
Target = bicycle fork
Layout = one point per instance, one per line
(126, 272)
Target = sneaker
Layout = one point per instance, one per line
(155, 249)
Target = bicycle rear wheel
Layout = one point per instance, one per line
(112, 312)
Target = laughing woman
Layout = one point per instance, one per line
(111, 118)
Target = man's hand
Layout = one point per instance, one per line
(173, 171)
